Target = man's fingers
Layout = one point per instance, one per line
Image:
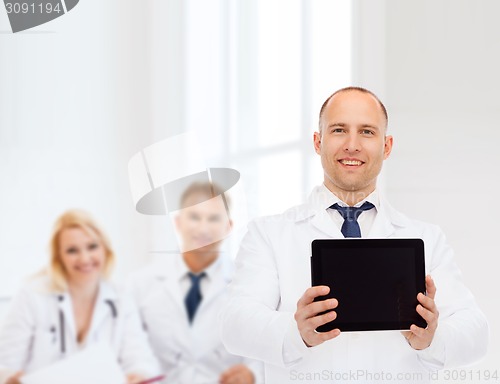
(430, 287)
(226, 374)
(311, 293)
(321, 337)
(317, 321)
(237, 374)
(417, 331)
(429, 316)
(420, 338)
(15, 379)
(426, 301)
(428, 309)
(314, 308)
(315, 338)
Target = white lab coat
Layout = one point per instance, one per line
(273, 271)
(188, 354)
(30, 336)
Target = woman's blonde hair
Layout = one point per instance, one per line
(75, 218)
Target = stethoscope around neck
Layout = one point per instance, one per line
(62, 325)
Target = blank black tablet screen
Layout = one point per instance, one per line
(376, 281)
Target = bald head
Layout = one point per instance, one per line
(331, 98)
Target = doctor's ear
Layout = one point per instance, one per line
(317, 142)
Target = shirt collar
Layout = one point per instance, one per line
(329, 198)
(183, 269)
(105, 293)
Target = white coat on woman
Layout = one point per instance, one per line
(39, 329)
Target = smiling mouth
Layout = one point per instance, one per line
(86, 269)
(351, 162)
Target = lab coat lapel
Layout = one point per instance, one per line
(382, 226)
(173, 290)
(387, 221)
(102, 309)
(65, 305)
(220, 279)
(168, 272)
(315, 210)
(323, 222)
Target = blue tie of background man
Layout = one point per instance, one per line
(193, 297)
(350, 228)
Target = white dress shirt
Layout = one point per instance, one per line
(182, 271)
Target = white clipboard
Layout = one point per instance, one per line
(96, 364)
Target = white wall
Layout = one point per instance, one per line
(436, 64)
(110, 78)
(74, 105)
(82, 94)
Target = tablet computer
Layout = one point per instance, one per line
(376, 282)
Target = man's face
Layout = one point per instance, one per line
(352, 144)
(203, 225)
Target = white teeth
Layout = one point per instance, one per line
(351, 162)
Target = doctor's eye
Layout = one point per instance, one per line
(194, 216)
(367, 132)
(72, 250)
(337, 130)
(215, 218)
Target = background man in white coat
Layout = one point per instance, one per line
(270, 299)
(180, 298)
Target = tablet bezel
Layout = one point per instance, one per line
(417, 245)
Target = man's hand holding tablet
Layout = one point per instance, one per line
(368, 285)
(421, 338)
(310, 316)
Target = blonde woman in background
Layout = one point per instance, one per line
(72, 305)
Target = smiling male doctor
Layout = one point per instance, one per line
(179, 297)
(271, 315)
